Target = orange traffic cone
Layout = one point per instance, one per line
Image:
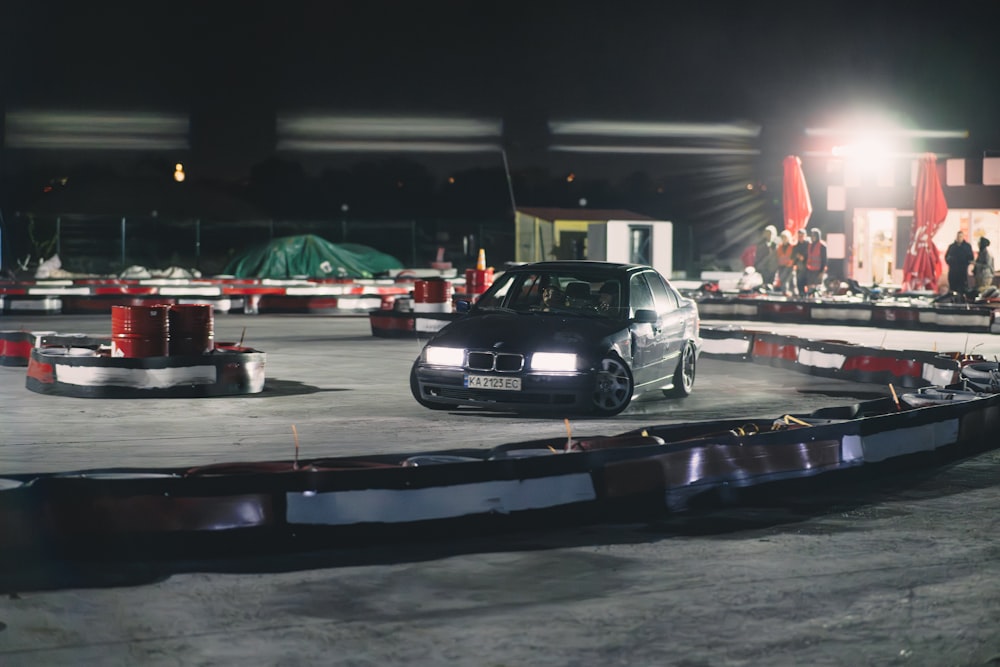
(481, 262)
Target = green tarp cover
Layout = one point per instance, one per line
(311, 256)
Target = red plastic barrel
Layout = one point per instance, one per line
(478, 280)
(139, 331)
(192, 328)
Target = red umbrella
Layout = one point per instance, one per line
(795, 198)
(922, 266)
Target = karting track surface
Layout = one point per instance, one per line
(904, 570)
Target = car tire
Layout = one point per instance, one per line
(415, 390)
(684, 374)
(613, 387)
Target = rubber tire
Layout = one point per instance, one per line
(683, 380)
(415, 390)
(613, 388)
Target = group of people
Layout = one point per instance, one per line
(793, 267)
(959, 258)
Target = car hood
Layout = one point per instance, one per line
(525, 333)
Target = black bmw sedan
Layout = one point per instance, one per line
(563, 337)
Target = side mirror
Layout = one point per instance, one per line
(645, 316)
(462, 306)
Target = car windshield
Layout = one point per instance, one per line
(583, 292)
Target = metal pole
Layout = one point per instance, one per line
(510, 184)
(197, 243)
(123, 242)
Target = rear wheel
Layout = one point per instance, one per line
(415, 390)
(684, 374)
(613, 388)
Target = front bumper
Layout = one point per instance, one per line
(539, 391)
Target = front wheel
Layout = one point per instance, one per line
(613, 388)
(684, 374)
(415, 390)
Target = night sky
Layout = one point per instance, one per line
(233, 66)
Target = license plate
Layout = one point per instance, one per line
(493, 382)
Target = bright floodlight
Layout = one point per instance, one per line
(96, 130)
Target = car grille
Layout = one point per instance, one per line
(502, 362)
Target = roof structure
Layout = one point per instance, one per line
(551, 213)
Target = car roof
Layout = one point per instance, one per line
(578, 264)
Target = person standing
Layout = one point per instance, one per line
(765, 259)
(982, 269)
(815, 261)
(958, 257)
(786, 264)
(800, 253)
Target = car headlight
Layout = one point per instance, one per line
(444, 356)
(553, 361)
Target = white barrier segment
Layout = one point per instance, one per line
(725, 346)
(841, 314)
(359, 303)
(318, 290)
(190, 291)
(137, 378)
(938, 376)
(49, 303)
(963, 319)
(851, 448)
(443, 307)
(427, 325)
(59, 291)
(817, 359)
(900, 442)
(255, 376)
(442, 502)
(706, 309)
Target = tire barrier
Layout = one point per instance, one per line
(835, 359)
(229, 370)
(225, 295)
(945, 317)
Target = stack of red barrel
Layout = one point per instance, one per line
(162, 330)
(432, 296)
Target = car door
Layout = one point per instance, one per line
(648, 343)
(671, 323)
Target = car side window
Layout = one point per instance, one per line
(665, 300)
(640, 296)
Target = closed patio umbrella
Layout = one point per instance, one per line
(922, 265)
(795, 196)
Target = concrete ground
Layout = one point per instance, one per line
(901, 570)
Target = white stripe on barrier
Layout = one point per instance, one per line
(59, 291)
(136, 378)
(938, 376)
(840, 314)
(817, 359)
(900, 442)
(47, 304)
(190, 291)
(443, 502)
(359, 303)
(427, 325)
(725, 346)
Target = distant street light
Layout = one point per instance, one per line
(179, 172)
